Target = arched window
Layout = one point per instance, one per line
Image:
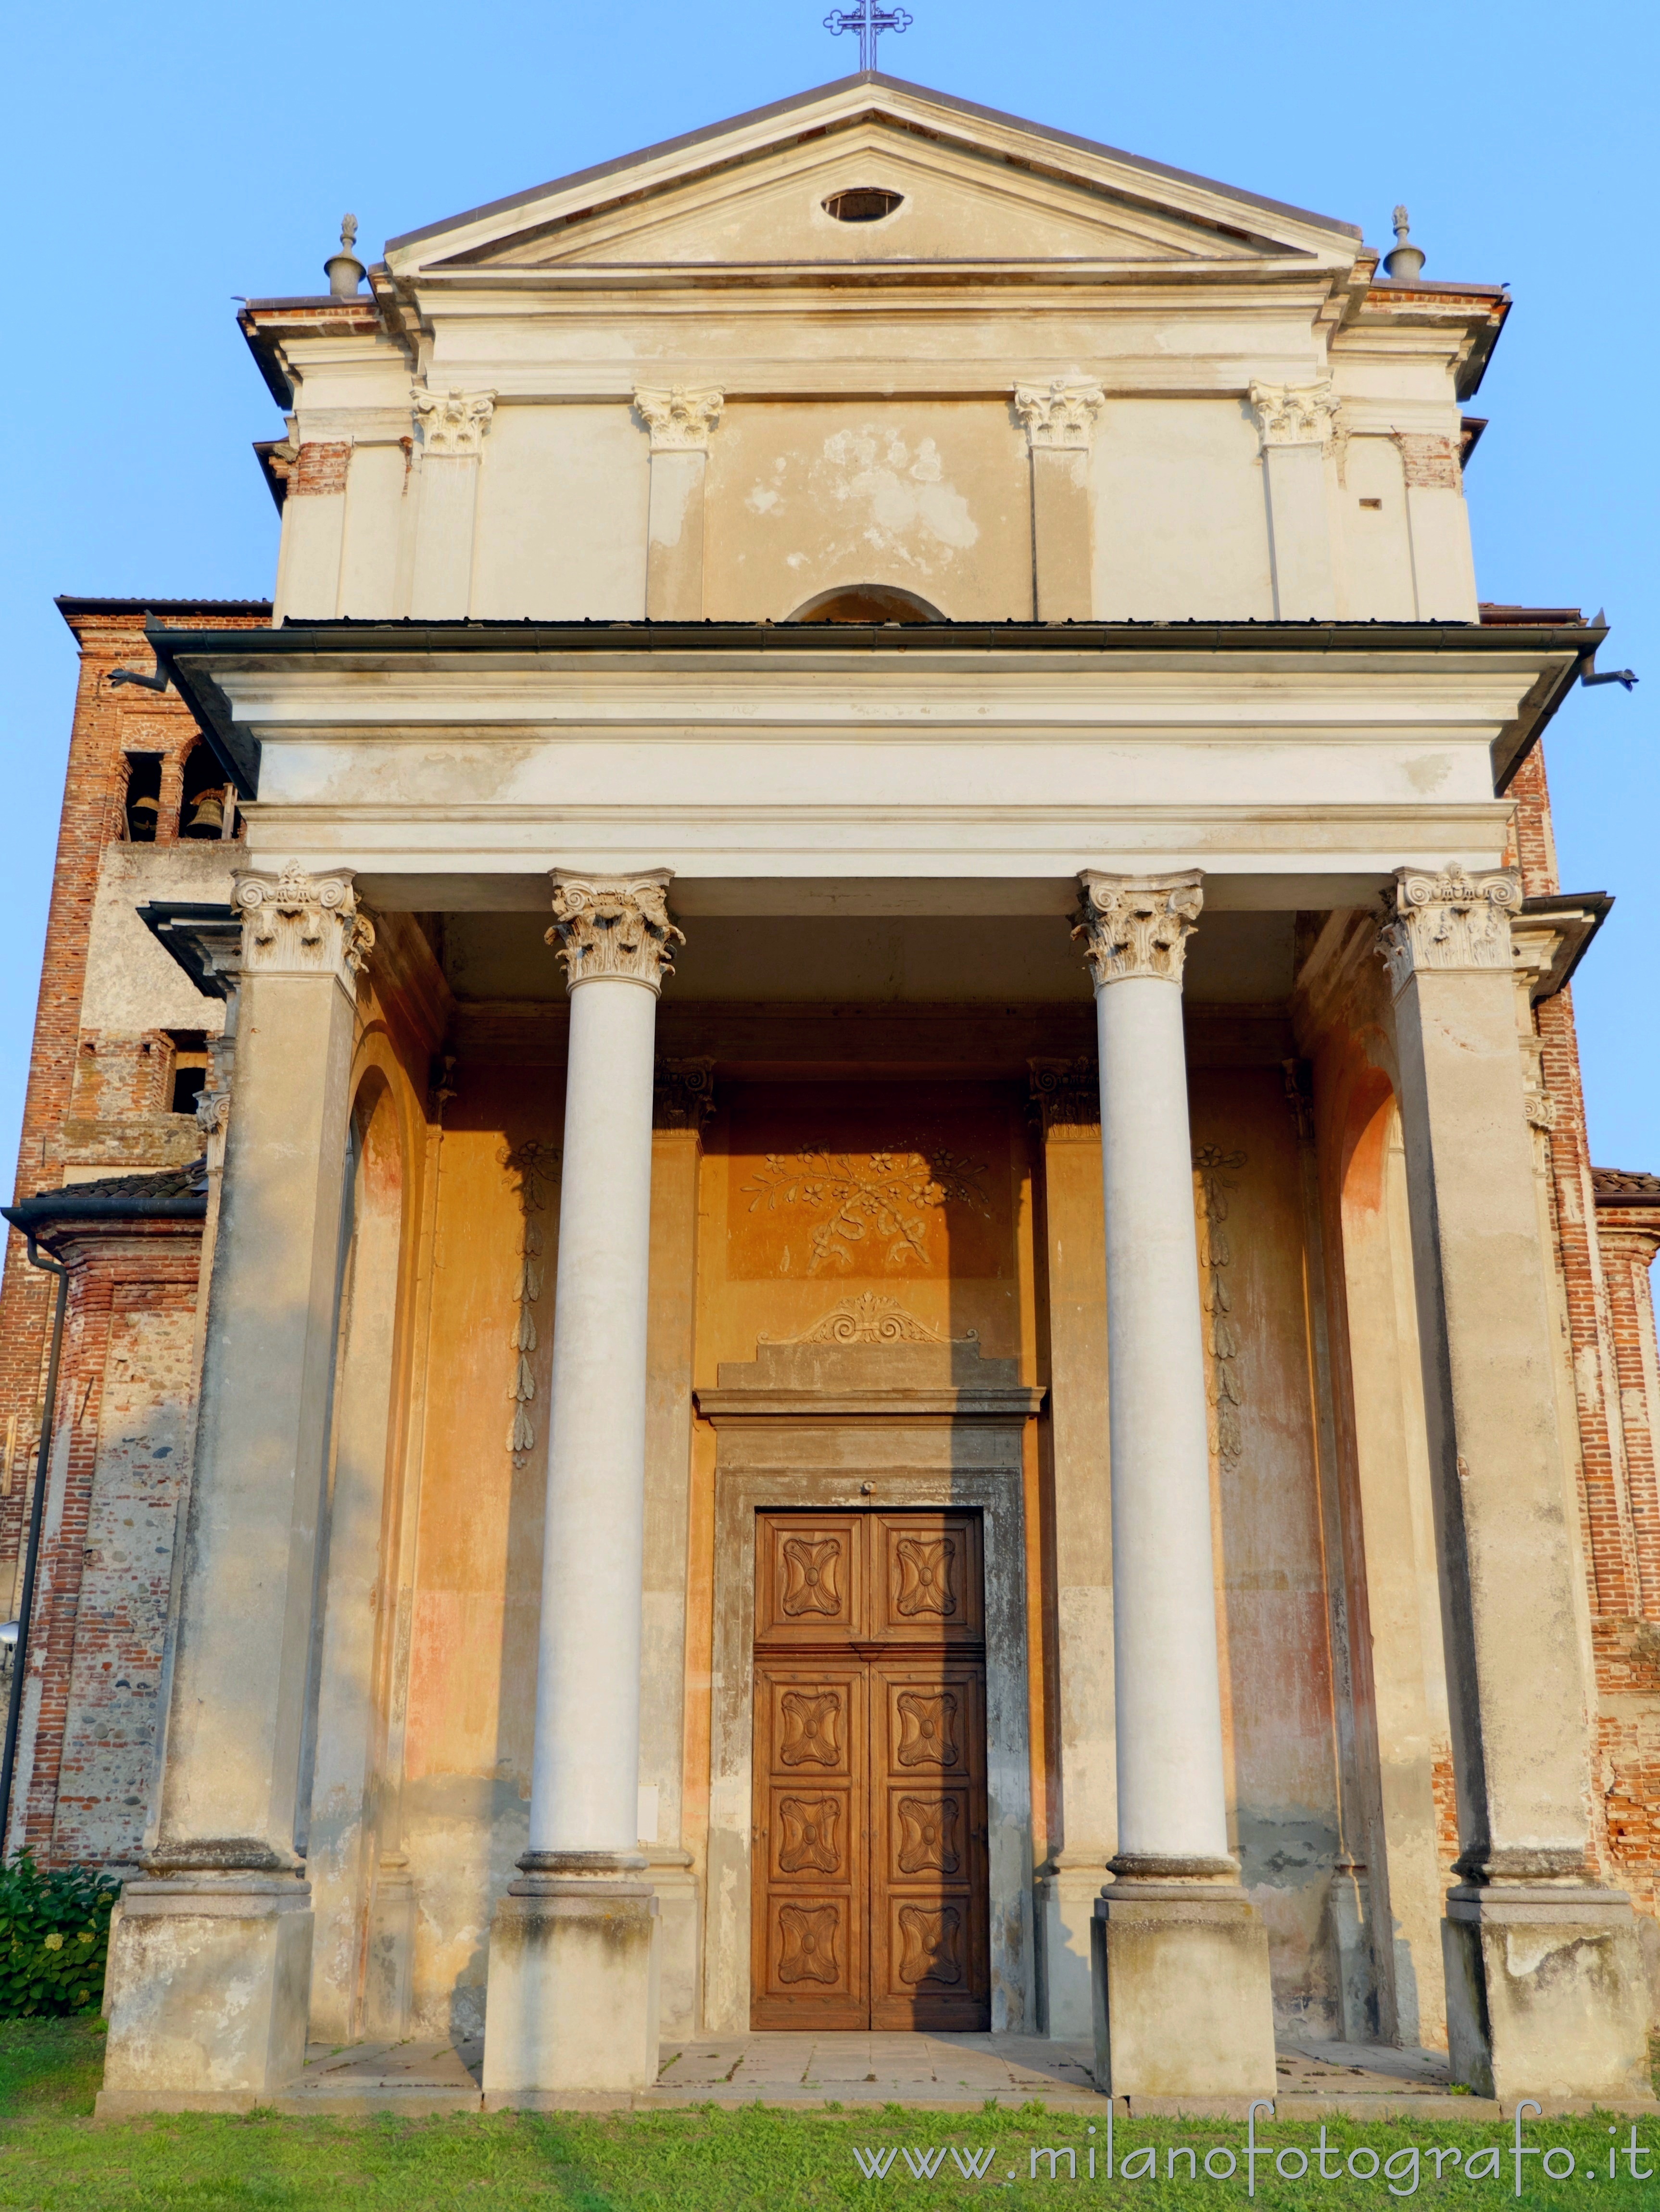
(144, 798)
(866, 603)
(205, 798)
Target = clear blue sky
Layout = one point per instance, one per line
(163, 160)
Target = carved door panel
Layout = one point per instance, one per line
(929, 1915)
(870, 1904)
(810, 1943)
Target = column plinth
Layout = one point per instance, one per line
(572, 1996)
(1179, 1956)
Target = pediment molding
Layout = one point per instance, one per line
(1145, 209)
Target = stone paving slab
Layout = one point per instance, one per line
(1315, 2080)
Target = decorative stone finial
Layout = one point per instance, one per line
(343, 270)
(1408, 260)
(1138, 925)
(614, 926)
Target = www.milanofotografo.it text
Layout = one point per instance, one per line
(1402, 2171)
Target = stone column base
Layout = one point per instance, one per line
(1066, 1897)
(1546, 1992)
(1182, 2004)
(208, 1993)
(571, 2002)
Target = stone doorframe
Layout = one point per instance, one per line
(860, 1420)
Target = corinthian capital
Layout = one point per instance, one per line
(1059, 417)
(681, 421)
(1452, 920)
(293, 924)
(452, 421)
(614, 926)
(1138, 924)
(1296, 414)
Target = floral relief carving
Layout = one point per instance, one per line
(813, 1727)
(1137, 926)
(810, 1839)
(926, 1567)
(1059, 417)
(807, 1952)
(1449, 920)
(932, 1944)
(294, 924)
(928, 1835)
(812, 1569)
(1066, 1095)
(452, 421)
(860, 1195)
(928, 1727)
(614, 926)
(682, 420)
(1296, 414)
(870, 1318)
(1214, 1170)
(532, 1163)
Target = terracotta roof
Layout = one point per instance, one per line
(1625, 1187)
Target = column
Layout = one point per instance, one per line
(1438, 526)
(1067, 1095)
(681, 421)
(572, 1996)
(1544, 1981)
(1180, 1956)
(1298, 423)
(313, 529)
(1060, 420)
(210, 1967)
(452, 425)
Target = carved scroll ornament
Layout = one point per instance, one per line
(870, 1318)
(1451, 921)
(1059, 417)
(606, 925)
(682, 420)
(1137, 926)
(293, 924)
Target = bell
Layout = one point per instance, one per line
(208, 819)
(143, 816)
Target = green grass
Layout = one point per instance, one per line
(55, 2158)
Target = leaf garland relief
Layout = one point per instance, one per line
(860, 1197)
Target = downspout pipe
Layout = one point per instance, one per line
(31, 1557)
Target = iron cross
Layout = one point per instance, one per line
(870, 20)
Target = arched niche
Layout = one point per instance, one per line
(344, 1839)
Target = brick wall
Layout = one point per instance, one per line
(106, 726)
(1603, 1250)
(119, 1461)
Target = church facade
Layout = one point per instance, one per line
(828, 1255)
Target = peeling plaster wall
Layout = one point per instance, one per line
(932, 498)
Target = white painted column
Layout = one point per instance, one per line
(1299, 424)
(682, 421)
(1060, 420)
(452, 426)
(1180, 1958)
(571, 2000)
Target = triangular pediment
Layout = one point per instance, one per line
(969, 187)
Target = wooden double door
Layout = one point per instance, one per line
(870, 1905)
